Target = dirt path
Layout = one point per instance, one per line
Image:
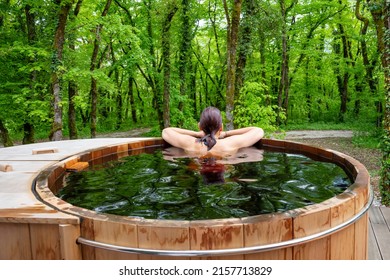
(125, 134)
(314, 134)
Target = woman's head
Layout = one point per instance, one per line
(211, 123)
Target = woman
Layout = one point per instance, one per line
(211, 140)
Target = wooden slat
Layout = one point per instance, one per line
(312, 221)
(376, 216)
(381, 230)
(343, 242)
(45, 242)
(361, 237)
(68, 238)
(373, 249)
(217, 234)
(266, 229)
(15, 242)
(386, 215)
(115, 233)
(165, 235)
(78, 166)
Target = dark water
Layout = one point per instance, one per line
(149, 186)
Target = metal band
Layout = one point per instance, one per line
(234, 251)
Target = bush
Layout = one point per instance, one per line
(254, 108)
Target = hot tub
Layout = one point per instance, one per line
(334, 229)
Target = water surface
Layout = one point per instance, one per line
(184, 188)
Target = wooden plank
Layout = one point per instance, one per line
(45, 242)
(217, 234)
(343, 242)
(381, 230)
(78, 166)
(116, 233)
(164, 235)
(315, 250)
(266, 229)
(70, 250)
(376, 216)
(386, 215)
(15, 242)
(361, 238)
(87, 231)
(314, 220)
(373, 248)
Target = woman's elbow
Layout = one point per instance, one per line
(259, 132)
(165, 133)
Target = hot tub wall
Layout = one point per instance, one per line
(347, 243)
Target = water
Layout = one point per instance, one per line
(182, 188)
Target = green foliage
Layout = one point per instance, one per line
(367, 137)
(253, 109)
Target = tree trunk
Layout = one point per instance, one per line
(380, 11)
(94, 91)
(377, 10)
(342, 78)
(28, 127)
(72, 87)
(7, 142)
(184, 49)
(58, 46)
(152, 75)
(232, 38)
(385, 180)
(284, 85)
(244, 45)
(131, 100)
(166, 57)
(369, 66)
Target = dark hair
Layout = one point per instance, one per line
(212, 172)
(210, 122)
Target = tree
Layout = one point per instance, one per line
(380, 11)
(72, 86)
(233, 23)
(4, 134)
(64, 7)
(157, 63)
(28, 127)
(166, 60)
(244, 44)
(185, 46)
(284, 85)
(385, 180)
(95, 64)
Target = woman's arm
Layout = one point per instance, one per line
(240, 131)
(242, 137)
(181, 138)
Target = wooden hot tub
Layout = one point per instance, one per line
(334, 229)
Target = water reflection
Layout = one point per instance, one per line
(213, 168)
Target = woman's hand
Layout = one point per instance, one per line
(200, 134)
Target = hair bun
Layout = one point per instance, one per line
(209, 141)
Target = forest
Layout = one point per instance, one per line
(73, 68)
